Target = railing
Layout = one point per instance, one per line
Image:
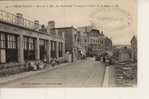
(13, 19)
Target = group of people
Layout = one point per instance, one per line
(82, 54)
(105, 58)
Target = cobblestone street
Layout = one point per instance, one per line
(83, 73)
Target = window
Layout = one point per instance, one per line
(2, 40)
(25, 44)
(11, 53)
(31, 44)
(2, 48)
(8, 48)
(29, 48)
(11, 42)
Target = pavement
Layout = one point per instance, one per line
(82, 73)
(16, 77)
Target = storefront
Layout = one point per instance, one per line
(29, 48)
(8, 48)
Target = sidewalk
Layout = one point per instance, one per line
(4, 80)
(109, 77)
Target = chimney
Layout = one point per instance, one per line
(51, 25)
(43, 28)
(36, 25)
(19, 19)
(102, 33)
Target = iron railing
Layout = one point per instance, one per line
(23, 22)
(13, 19)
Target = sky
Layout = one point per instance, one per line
(117, 18)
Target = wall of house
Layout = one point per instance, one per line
(33, 42)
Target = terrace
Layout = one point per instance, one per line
(19, 21)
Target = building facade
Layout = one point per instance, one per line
(84, 37)
(22, 40)
(71, 41)
(93, 41)
(108, 43)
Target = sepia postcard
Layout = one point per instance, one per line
(68, 43)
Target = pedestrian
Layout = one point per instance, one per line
(104, 59)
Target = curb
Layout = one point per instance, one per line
(106, 77)
(109, 77)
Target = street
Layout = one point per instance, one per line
(83, 73)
